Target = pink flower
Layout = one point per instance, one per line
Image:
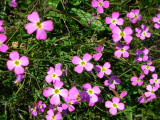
(53, 75)
(99, 5)
(1, 28)
(151, 90)
(121, 50)
(3, 47)
(55, 92)
(16, 63)
(51, 115)
(82, 63)
(98, 55)
(142, 33)
(40, 27)
(55, 108)
(123, 94)
(114, 20)
(103, 70)
(112, 82)
(92, 92)
(40, 106)
(134, 16)
(34, 111)
(135, 80)
(155, 80)
(69, 104)
(19, 79)
(114, 105)
(142, 55)
(58, 66)
(147, 68)
(13, 3)
(156, 20)
(118, 34)
(141, 100)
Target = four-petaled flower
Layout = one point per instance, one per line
(122, 50)
(53, 115)
(137, 80)
(118, 34)
(103, 70)
(82, 63)
(142, 55)
(53, 75)
(3, 47)
(98, 55)
(40, 27)
(40, 106)
(156, 20)
(114, 20)
(69, 104)
(55, 92)
(114, 105)
(134, 16)
(112, 82)
(13, 3)
(151, 92)
(147, 68)
(18, 79)
(100, 4)
(16, 63)
(155, 80)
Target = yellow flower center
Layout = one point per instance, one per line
(141, 55)
(152, 91)
(159, 21)
(17, 63)
(40, 106)
(144, 33)
(138, 80)
(114, 105)
(113, 21)
(155, 80)
(90, 92)
(69, 103)
(136, 16)
(83, 63)
(101, 52)
(100, 4)
(54, 75)
(78, 97)
(53, 117)
(38, 25)
(0, 43)
(112, 81)
(34, 109)
(122, 50)
(122, 34)
(147, 67)
(56, 91)
(103, 69)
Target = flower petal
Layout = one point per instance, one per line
(47, 25)
(30, 27)
(19, 70)
(24, 61)
(41, 34)
(48, 92)
(87, 57)
(33, 17)
(55, 100)
(76, 60)
(14, 55)
(78, 69)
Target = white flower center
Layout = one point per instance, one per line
(54, 75)
(38, 25)
(115, 105)
(100, 4)
(135, 16)
(144, 33)
(155, 80)
(122, 50)
(90, 92)
(152, 91)
(122, 34)
(83, 63)
(0, 43)
(56, 91)
(138, 80)
(159, 21)
(114, 21)
(147, 67)
(17, 63)
(103, 69)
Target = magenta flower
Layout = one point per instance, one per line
(40, 27)
(53, 75)
(103, 70)
(55, 108)
(158, 8)
(141, 100)
(114, 105)
(1, 28)
(135, 80)
(151, 90)
(34, 111)
(92, 92)
(155, 80)
(114, 20)
(134, 16)
(142, 55)
(142, 33)
(123, 94)
(156, 20)
(122, 50)
(51, 115)
(13, 3)
(16, 63)
(69, 104)
(3, 47)
(55, 92)
(19, 79)
(99, 5)
(40, 106)
(112, 82)
(147, 68)
(82, 63)
(118, 34)
(98, 55)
